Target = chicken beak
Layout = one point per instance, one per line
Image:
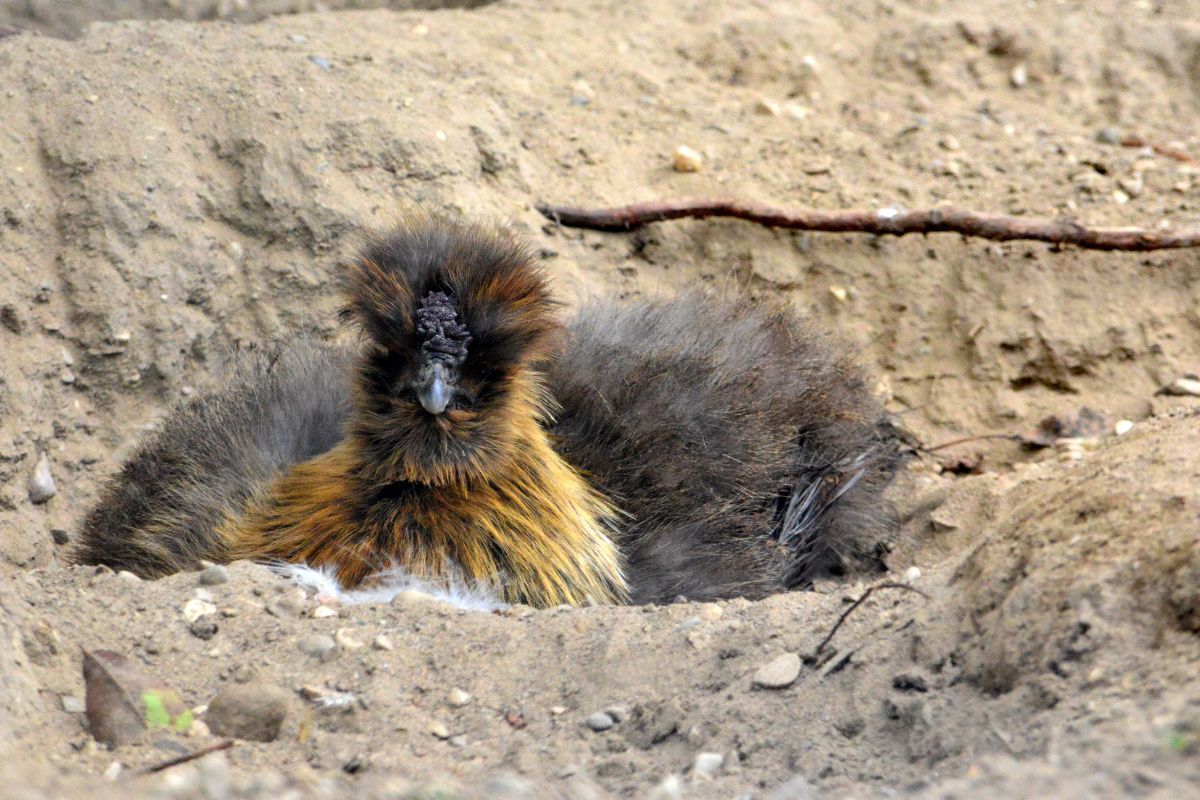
(434, 391)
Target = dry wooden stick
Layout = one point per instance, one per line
(1162, 150)
(186, 757)
(862, 599)
(887, 221)
(985, 437)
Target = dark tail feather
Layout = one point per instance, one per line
(825, 523)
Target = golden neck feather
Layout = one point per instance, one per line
(530, 524)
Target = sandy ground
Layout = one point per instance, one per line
(170, 188)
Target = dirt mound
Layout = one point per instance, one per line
(172, 188)
(1101, 560)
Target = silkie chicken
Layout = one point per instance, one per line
(706, 445)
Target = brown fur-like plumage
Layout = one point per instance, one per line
(276, 407)
(705, 446)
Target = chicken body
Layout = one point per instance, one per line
(709, 446)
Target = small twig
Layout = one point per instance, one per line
(1169, 152)
(1012, 437)
(862, 599)
(186, 757)
(888, 221)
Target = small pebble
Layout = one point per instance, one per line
(128, 576)
(439, 729)
(346, 641)
(707, 765)
(1123, 427)
(60, 536)
(320, 62)
(1108, 136)
(778, 674)
(214, 575)
(669, 788)
(1185, 386)
(356, 764)
(710, 612)
(599, 721)
(687, 160)
(324, 612)
(72, 704)
(195, 608)
(204, 627)
(1019, 76)
(41, 483)
(768, 107)
(912, 574)
(457, 698)
(582, 93)
(291, 604)
(1132, 186)
(382, 642)
(244, 673)
(839, 293)
(253, 711)
(319, 646)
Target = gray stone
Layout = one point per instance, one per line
(204, 627)
(213, 575)
(599, 721)
(290, 604)
(652, 723)
(1186, 386)
(778, 674)
(707, 765)
(253, 711)
(41, 483)
(319, 646)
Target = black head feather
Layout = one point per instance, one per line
(444, 338)
(468, 298)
